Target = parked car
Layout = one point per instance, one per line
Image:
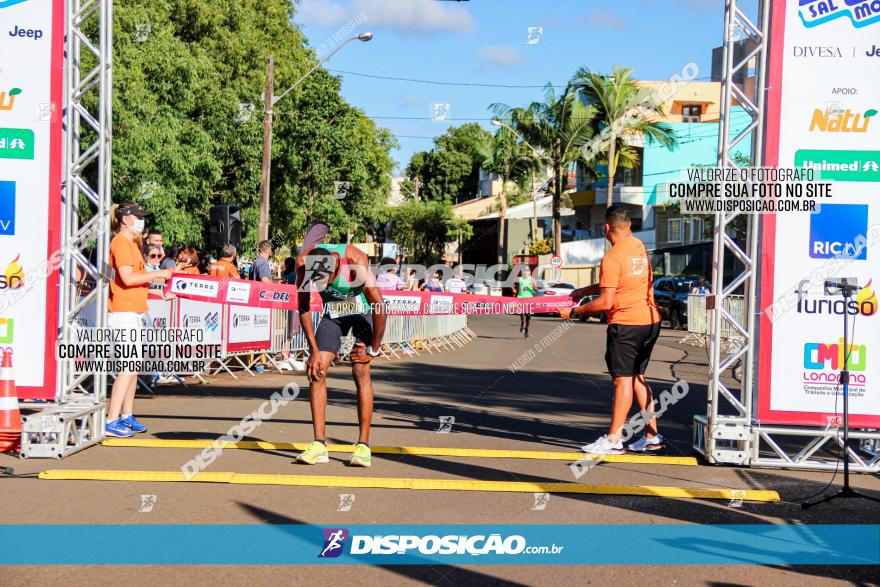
(671, 295)
(553, 288)
(603, 318)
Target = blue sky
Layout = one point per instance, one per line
(484, 42)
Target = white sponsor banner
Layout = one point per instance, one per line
(249, 325)
(441, 305)
(159, 313)
(31, 61)
(205, 288)
(205, 315)
(824, 115)
(238, 292)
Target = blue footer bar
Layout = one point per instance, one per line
(242, 544)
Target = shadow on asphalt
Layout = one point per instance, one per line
(486, 402)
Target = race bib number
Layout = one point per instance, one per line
(344, 308)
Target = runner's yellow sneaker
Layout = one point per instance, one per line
(316, 453)
(361, 457)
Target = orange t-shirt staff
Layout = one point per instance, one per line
(127, 306)
(626, 294)
(223, 267)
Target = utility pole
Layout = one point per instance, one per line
(263, 230)
(417, 183)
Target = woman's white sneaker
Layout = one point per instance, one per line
(645, 444)
(604, 446)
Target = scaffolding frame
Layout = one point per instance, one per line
(729, 433)
(76, 419)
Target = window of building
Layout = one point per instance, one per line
(631, 176)
(674, 230)
(691, 113)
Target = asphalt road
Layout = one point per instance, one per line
(559, 400)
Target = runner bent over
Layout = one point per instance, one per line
(351, 302)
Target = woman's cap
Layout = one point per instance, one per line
(131, 209)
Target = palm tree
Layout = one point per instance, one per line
(560, 125)
(509, 159)
(624, 111)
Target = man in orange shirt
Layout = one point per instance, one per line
(626, 294)
(224, 266)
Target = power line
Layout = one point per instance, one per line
(440, 83)
(476, 84)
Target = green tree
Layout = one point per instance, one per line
(560, 125)
(451, 170)
(624, 111)
(323, 140)
(512, 161)
(188, 76)
(424, 228)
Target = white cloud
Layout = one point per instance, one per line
(404, 16)
(322, 13)
(501, 56)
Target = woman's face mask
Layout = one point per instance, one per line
(137, 226)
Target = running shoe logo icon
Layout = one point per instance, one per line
(334, 538)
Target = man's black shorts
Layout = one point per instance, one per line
(331, 330)
(628, 348)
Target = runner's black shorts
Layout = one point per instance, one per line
(628, 348)
(331, 330)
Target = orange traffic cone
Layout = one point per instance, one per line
(10, 417)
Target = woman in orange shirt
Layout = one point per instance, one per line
(127, 307)
(188, 262)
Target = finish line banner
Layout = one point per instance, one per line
(461, 544)
(402, 303)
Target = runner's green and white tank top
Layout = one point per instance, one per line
(342, 297)
(524, 288)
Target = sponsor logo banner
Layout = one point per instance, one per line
(842, 165)
(16, 143)
(860, 13)
(838, 230)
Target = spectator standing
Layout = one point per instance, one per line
(169, 261)
(260, 269)
(186, 262)
(152, 257)
(225, 265)
(288, 274)
(154, 237)
(412, 284)
(701, 288)
(389, 280)
(127, 307)
(435, 284)
(456, 284)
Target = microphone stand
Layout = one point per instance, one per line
(846, 490)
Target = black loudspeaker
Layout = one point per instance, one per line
(224, 226)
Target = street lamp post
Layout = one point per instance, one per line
(269, 102)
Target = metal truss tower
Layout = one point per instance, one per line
(729, 433)
(76, 419)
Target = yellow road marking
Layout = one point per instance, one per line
(417, 484)
(402, 450)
